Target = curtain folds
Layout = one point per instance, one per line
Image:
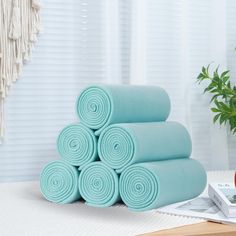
(170, 42)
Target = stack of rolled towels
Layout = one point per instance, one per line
(123, 149)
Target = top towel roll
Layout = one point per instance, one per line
(100, 106)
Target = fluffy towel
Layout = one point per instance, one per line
(121, 145)
(77, 145)
(100, 106)
(147, 186)
(98, 185)
(59, 182)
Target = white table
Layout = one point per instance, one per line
(24, 212)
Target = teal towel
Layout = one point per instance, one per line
(98, 185)
(77, 145)
(100, 106)
(147, 186)
(121, 145)
(59, 182)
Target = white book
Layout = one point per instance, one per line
(224, 196)
(200, 207)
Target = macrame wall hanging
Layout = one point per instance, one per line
(19, 27)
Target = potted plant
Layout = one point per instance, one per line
(223, 96)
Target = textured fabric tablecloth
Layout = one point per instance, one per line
(23, 212)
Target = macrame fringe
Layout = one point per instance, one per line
(19, 27)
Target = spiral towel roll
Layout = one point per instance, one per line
(145, 186)
(59, 182)
(77, 145)
(100, 106)
(121, 145)
(98, 185)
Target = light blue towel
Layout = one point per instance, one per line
(77, 145)
(147, 186)
(59, 182)
(98, 185)
(100, 106)
(121, 145)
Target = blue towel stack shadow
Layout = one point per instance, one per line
(124, 149)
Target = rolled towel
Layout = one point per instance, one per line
(98, 185)
(77, 145)
(147, 186)
(100, 106)
(121, 145)
(59, 182)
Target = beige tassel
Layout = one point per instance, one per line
(15, 26)
(36, 4)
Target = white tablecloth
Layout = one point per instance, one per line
(24, 212)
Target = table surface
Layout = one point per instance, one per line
(200, 229)
(23, 212)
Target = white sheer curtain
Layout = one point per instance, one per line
(157, 42)
(171, 41)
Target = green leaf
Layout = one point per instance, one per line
(216, 103)
(204, 70)
(214, 97)
(224, 106)
(200, 76)
(222, 119)
(216, 117)
(215, 109)
(224, 73)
